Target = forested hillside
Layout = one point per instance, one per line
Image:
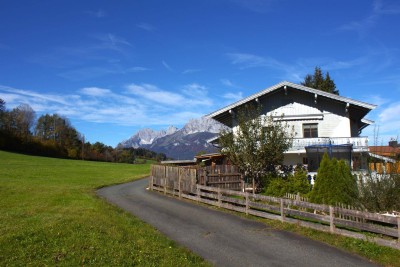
(53, 135)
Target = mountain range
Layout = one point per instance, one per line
(176, 143)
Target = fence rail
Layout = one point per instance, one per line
(321, 217)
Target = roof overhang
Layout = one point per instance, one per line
(184, 161)
(365, 123)
(386, 159)
(224, 115)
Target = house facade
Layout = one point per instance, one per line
(322, 122)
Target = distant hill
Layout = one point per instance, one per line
(177, 143)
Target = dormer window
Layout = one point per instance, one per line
(310, 130)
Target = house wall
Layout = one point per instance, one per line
(299, 107)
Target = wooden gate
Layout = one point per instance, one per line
(221, 176)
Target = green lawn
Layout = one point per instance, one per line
(50, 215)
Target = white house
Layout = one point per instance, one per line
(322, 122)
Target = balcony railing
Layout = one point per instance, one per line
(359, 143)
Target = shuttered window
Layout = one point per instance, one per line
(310, 130)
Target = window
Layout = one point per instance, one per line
(310, 130)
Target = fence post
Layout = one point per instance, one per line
(331, 219)
(165, 186)
(398, 228)
(198, 193)
(219, 197)
(179, 185)
(247, 203)
(282, 211)
(151, 180)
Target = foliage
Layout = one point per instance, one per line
(380, 192)
(298, 183)
(277, 187)
(54, 136)
(50, 216)
(19, 121)
(257, 144)
(318, 81)
(293, 184)
(334, 183)
(2, 105)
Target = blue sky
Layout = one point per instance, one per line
(113, 67)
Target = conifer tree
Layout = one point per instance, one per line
(334, 183)
(318, 81)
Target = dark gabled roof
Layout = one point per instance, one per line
(222, 114)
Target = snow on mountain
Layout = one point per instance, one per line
(147, 137)
(179, 144)
(202, 125)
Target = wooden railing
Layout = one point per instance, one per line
(321, 217)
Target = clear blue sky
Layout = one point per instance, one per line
(113, 67)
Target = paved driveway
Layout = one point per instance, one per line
(221, 238)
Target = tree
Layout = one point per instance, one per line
(317, 81)
(57, 131)
(334, 183)
(2, 113)
(2, 105)
(21, 121)
(256, 145)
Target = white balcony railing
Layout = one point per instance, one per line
(359, 143)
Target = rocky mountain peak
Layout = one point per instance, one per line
(177, 143)
(202, 124)
(171, 130)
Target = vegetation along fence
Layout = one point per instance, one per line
(181, 182)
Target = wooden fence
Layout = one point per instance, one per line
(296, 197)
(222, 176)
(173, 179)
(321, 217)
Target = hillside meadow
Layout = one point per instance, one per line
(50, 215)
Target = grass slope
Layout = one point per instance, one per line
(50, 215)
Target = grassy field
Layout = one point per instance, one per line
(50, 215)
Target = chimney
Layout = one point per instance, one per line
(393, 143)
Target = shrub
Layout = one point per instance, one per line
(294, 183)
(334, 183)
(379, 194)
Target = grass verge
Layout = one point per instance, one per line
(381, 255)
(50, 215)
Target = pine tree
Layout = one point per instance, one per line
(318, 81)
(334, 183)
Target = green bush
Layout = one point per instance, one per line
(277, 187)
(298, 183)
(379, 194)
(334, 183)
(294, 183)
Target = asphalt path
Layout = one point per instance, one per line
(221, 238)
